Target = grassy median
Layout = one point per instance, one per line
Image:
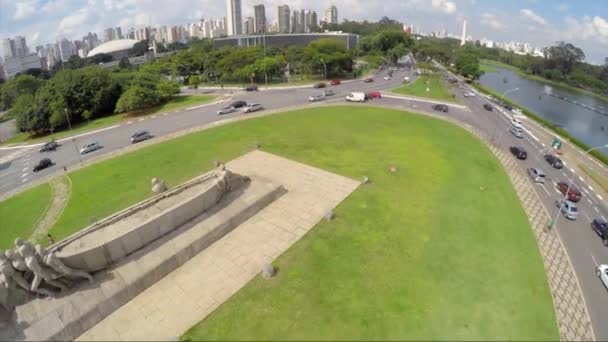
(439, 249)
(438, 90)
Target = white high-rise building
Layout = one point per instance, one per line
(259, 18)
(21, 47)
(464, 33)
(234, 20)
(283, 22)
(8, 47)
(249, 25)
(331, 15)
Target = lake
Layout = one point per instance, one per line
(583, 123)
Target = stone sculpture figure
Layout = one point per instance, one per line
(16, 260)
(12, 276)
(28, 252)
(50, 259)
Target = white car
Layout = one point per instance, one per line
(469, 94)
(517, 123)
(602, 272)
(568, 208)
(406, 79)
(252, 107)
(517, 132)
(226, 110)
(90, 147)
(387, 78)
(316, 98)
(517, 111)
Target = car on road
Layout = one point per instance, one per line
(469, 94)
(515, 122)
(316, 98)
(388, 78)
(328, 92)
(368, 80)
(252, 107)
(554, 161)
(568, 209)
(238, 104)
(488, 107)
(441, 108)
(49, 146)
(226, 110)
(356, 97)
(519, 152)
(601, 228)
(375, 95)
(574, 194)
(537, 175)
(517, 132)
(251, 88)
(335, 82)
(43, 164)
(90, 147)
(602, 272)
(406, 79)
(508, 107)
(140, 136)
(319, 85)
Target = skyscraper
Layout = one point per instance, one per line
(331, 15)
(109, 34)
(234, 20)
(311, 21)
(8, 47)
(294, 22)
(283, 19)
(464, 33)
(118, 33)
(249, 25)
(259, 18)
(20, 46)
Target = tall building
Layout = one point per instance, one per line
(331, 15)
(118, 33)
(283, 19)
(15, 65)
(310, 21)
(20, 47)
(294, 21)
(65, 49)
(8, 47)
(249, 25)
(259, 12)
(234, 20)
(109, 34)
(464, 33)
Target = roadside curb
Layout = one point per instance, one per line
(392, 95)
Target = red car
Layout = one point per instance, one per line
(335, 82)
(375, 94)
(574, 195)
(368, 80)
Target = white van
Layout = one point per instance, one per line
(355, 97)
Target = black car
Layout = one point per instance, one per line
(601, 228)
(238, 104)
(488, 107)
(251, 88)
(441, 108)
(140, 136)
(43, 164)
(319, 85)
(508, 107)
(519, 152)
(554, 161)
(49, 146)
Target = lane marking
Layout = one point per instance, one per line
(547, 191)
(600, 197)
(24, 174)
(129, 122)
(588, 201)
(590, 187)
(140, 120)
(596, 209)
(563, 162)
(24, 180)
(24, 169)
(543, 144)
(153, 117)
(572, 170)
(563, 173)
(603, 218)
(581, 178)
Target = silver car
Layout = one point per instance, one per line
(568, 209)
(517, 132)
(253, 107)
(226, 110)
(90, 147)
(537, 175)
(316, 98)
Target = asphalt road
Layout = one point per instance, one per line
(582, 244)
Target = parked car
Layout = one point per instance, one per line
(251, 88)
(519, 152)
(488, 107)
(319, 85)
(328, 92)
(441, 108)
(90, 147)
(252, 107)
(43, 164)
(574, 194)
(315, 98)
(368, 80)
(49, 146)
(568, 209)
(375, 94)
(554, 161)
(140, 136)
(601, 228)
(602, 272)
(226, 110)
(517, 132)
(537, 175)
(335, 82)
(238, 104)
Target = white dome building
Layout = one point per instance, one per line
(117, 48)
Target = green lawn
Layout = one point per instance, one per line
(487, 68)
(20, 213)
(422, 253)
(438, 90)
(177, 102)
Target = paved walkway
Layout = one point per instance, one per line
(191, 292)
(62, 187)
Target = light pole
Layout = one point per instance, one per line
(498, 115)
(324, 69)
(265, 70)
(561, 206)
(65, 110)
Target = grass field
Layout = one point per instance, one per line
(438, 90)
(422, 253)
(176, 103)
(20, 213)
(486, 68)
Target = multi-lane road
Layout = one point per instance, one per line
(582, 244)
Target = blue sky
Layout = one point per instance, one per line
(540, 22)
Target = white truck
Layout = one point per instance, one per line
(355, 97)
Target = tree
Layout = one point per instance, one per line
(136, 98)
(166, 90)
(194, 81)
(140, 48)
(19, 85)
(565, 56)
(28, 116)
(124, 63)
(467, 64)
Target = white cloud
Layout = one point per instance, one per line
(530, 15)
(444, 6)
(76, 22)
(588, 28)
(492, 21)
(563, 7)
(33, 38)
(24, 9)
